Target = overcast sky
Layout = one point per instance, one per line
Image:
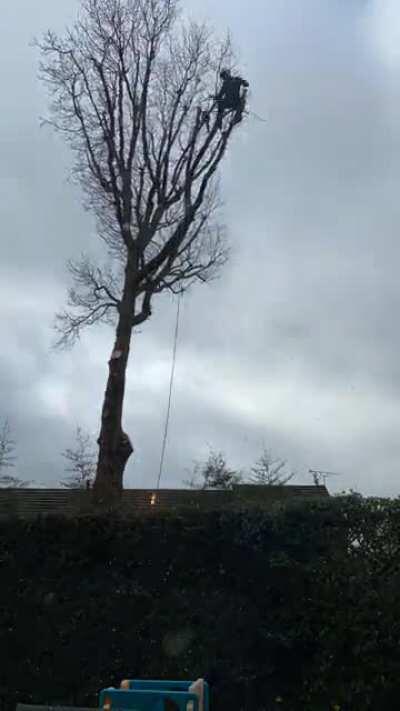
(297, 345)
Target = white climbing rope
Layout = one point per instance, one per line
(171, 381)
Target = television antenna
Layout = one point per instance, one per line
(319, 475)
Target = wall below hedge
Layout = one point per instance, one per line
(297, 609)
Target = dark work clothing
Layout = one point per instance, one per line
(230, 98)
(229, 94)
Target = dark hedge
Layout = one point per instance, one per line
(293, 609)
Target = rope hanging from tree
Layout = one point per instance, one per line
(171, 381)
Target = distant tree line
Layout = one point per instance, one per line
(213, 473)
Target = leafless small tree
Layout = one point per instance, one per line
(131, 86)
(269, 471)
(8, 457)
(214, 473)
(7, 446)
(82, 462)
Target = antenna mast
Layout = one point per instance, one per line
(320, 474)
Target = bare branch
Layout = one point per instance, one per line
(93, 299)
(130, 90)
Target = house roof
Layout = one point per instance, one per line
(32, 502)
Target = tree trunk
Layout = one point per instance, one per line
(115, 446)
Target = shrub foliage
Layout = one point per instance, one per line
(297, 608)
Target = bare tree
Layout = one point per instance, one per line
(7, 458)
(131, 86)
(7, 446)
(214, 473)
(82, 461)
(269, 471)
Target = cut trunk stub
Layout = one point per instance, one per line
(116, 354)
(110, 469)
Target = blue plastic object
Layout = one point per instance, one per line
(151, 695)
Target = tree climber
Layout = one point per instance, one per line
(231, 97)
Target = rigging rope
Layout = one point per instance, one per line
(257, 116)
(171, 381)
